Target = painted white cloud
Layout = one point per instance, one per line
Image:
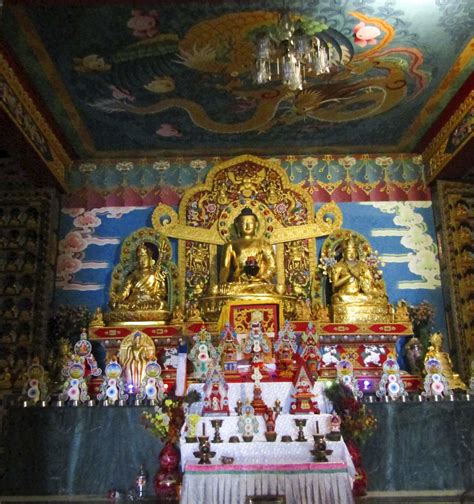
(423, 260)
(73, 246)
(79, 286)
(95, 265)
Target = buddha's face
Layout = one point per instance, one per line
(247, 225)
(350, 254)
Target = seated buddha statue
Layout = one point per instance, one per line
(435, 351)
(248, 261)
(358, 296)
(144, 288)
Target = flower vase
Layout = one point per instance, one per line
(360, 482)
(167, 478)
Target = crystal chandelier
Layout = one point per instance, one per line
(289, 54)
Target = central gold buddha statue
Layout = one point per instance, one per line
(358, 296)
(247, 271)
(249, 262)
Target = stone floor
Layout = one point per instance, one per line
(441, 497)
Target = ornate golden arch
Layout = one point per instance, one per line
(284, 210)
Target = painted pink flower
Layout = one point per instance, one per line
(73, 242)
(68, 265)
(280, 208)
(87, 220)
(365, 34)
(168, 130)
(143, 24)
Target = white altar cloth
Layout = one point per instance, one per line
(259, 450)
(321, 483)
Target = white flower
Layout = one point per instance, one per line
(347, 161)
(87, 167)
(124, 166)
(309, 162)
(161, 165)
(198, 164)
(384, 161)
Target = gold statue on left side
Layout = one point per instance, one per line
(435, 351)
(142, 285)
(145, 284)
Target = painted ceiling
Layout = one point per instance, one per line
(177, 77)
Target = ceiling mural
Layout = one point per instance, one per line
(179, 76)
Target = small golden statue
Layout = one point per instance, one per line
(135, 352)
(401, 311)
(98, 318)
(435, 352)
(358, 289)
(6, 379)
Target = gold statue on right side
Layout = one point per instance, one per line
(435, 351)
(358, 291)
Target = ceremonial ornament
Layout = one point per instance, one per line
(435, 384)
(257, 345)
(204, 454)
(136, 350)
(152, 387)
(285, 348)
(335, 433)
(435, 351)
(270, 416)
(112, 388)
(309, 350)
(320, 450)
(229, 348)
(203, 354)
(345, 375)
(300, 423)
(75, 387)
(247, 423)
(303, 383)
(83, 349)
(35, 389)
(215, 394)
(391, 383)
(257, 402)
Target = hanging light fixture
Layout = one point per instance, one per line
(291, 55)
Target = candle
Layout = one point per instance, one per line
(317, 427)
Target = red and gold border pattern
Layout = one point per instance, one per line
(436, 156)
(21, 109)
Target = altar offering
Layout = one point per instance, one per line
(112, 388)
